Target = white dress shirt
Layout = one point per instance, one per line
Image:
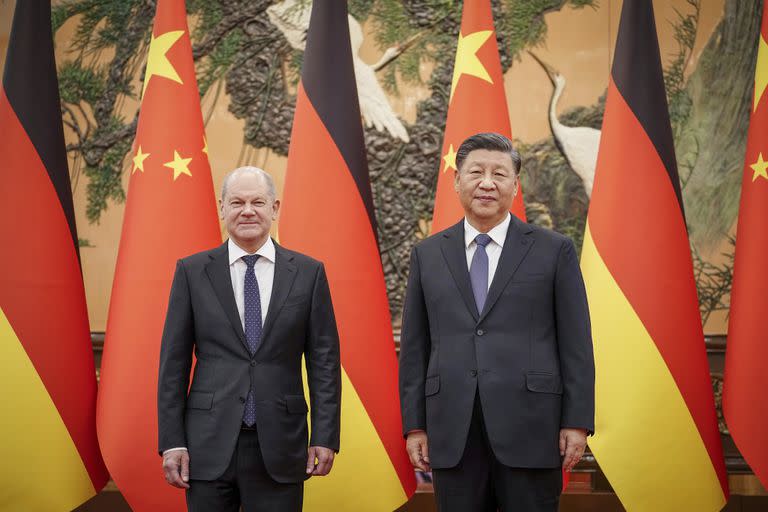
(498, 234)
(265, 276)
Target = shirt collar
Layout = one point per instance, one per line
(266, 251)
(498, 234)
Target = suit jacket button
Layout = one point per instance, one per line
(242, 399)
(473, 373)
(253, 363)
(480, 332)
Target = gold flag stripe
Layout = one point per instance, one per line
(646, 441)
(38, 454)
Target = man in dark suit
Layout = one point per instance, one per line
(249, 310)
(496, 363)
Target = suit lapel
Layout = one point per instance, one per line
(221, 280)
(285, 273)
(516, 247)
(455, 254)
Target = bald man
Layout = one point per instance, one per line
(249, 310)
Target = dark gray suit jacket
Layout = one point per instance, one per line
(528, 354)
(202, 316)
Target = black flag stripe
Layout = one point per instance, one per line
(328, 78)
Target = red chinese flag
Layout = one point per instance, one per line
(170, 213)
(744, 404)
(328, 214)
(477, 104)
(50, 456)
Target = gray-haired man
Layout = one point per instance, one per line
(249, 310)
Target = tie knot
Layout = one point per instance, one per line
(250, 259)
(482, 239)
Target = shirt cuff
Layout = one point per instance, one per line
(174, 450)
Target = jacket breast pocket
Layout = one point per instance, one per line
(296, 301)
(432, 385)
(542, 382)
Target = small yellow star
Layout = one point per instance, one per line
(205, 145)
(450, 159)
(759, 168)
(179, 165)
(761, 72)
(467, 62)
(157, 61)
(138, 161)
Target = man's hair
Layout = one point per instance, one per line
(492, 142)
(249, 170)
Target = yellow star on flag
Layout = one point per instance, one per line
(761, 72)
(450, 159)
(138, 160)
(179, 165)
(205, 145)
(759, 168)
(157, 61)
(467, 62)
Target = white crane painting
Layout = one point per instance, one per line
(578, 144)
(291, 17)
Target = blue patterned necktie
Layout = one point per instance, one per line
(478, 271)
(252, 314)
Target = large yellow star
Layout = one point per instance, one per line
(138, 161)
(761, 72)
(467, 62)
(450, 159)
(179, 165)
(157, 62)
(759, 168)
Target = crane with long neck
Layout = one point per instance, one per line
(578, 144)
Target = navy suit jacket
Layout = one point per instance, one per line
(527, 355)
(202, 317)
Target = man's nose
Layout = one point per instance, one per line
(248, 210)
(487, 183)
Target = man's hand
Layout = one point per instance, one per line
(418, 450)
(176, 468)
(572, 444)
(319, 460)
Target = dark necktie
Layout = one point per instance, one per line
(252, 314)
(478, 271)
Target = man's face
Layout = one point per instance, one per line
(248, 210)
(487, 185)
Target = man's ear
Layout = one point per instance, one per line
(456, 180)
(221, 209)
(275, 209)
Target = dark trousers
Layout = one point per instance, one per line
(245, 482)
(480, 483)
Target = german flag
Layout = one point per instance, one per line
(328, 214)
(50, 457)
(477, 104)
(656, 431)
(746, 379)
(170, 213)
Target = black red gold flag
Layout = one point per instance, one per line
(653, 390)
(328, 213)
(50, 456)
